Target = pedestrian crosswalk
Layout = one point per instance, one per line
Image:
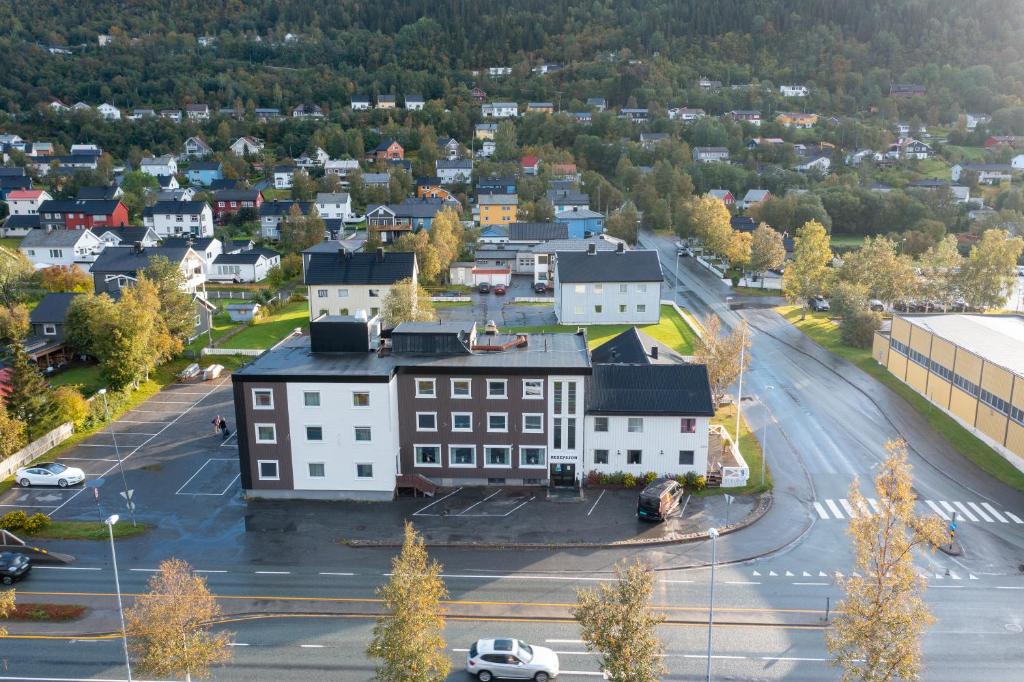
(975, 512)
(821, 577)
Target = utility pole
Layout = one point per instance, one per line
(739, 387)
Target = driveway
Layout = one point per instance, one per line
(502, 310)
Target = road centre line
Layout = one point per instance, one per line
(741, 582)
(811, 583)
(311, 646)
(272, 572)
(332, 573)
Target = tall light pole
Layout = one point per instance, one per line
(117, 453)
(764, 436)
(713, 534)
(111, 520)
(677, 271)
(739, 386)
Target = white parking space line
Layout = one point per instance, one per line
(132, 421)
(68, 568)
(478, 503)
(965, 511)
(938, 510)
(440, 499)
(88, 459)
(226, 443)
(991, 510)
(171, 402)
(595, 502)
(980, 512)
(183, 485)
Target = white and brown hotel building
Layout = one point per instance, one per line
(343, 414)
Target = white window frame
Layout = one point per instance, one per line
(305, 431)
(259, 469)
(497, 414)
(580, 289)
(255, 403)
(461, 430)
(360, 407)
(420, 414)
(451, 456)
(537, 382)
(309, 471)
(507, 448)
(607, 456)
(355, 440)
(539, 415)
(630, 422)
(49, 330)
(454, 395)
(577, 310)
(504, 389)
(305, 395)
(364, 464)
(641, 308)
(256, 434)
(342, 293)
(544, 459)
(598, 289)
(623, 288)
(433, 387)
(641, 288)
(415, 455)
(606, 422)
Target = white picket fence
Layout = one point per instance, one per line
(251, 352)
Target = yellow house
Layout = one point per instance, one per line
(386, 102)
(970, 366)
(795, 120)
(485, 131)
(497, 209)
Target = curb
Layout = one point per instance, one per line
(763, 505)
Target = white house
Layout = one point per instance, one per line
(196, 147)
(908, 148)
(246, 145)
(453, 172)
(1017, 162)
(600, 287)
(817, 163)
(360, 103)
(486, 150)
(414, 102)
(341, 282)
(245, 266)
(685, 114)
(179, 218)
(159, 165)
(710, 154)
(46, 248)
(793, 90)
(754, 196)
(109, 112)
(127, 236)
(283, 177)
(340, 167)
(26, 201)
(987, 173)
(500, 110)
(334, 205)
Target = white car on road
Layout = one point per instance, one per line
(511, 659)
(49, 473)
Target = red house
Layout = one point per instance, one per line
(228, 201)
(82, 214)
(388, 149)
(478, 94)
(1012, 141)
(530, 165)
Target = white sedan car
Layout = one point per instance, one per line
(49, 473)
(511, 659)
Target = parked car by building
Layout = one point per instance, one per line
(659, 499)
(819, 304)
(49, 473)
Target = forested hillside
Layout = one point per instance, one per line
(650, 52)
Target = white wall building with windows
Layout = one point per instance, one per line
(641, 443)
(601, 287)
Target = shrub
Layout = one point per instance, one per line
(618, 478)
(69, 405)
(649, 477)
(594, 477)
(629, 481)
(680, 479)
(13, 520)
(690, 479)
(700, 483)
(858, 330)
(36, 523)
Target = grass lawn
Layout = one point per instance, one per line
(87, 378)
(10, 242)
(222, 324)
(750, 448)
(854, 240)
(89, 530)
(958, 153)
(672, 330)
(756, 291)
(273, 328)
(826, 333)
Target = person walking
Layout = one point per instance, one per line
(217, 421)
(224, 430)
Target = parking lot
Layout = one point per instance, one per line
(501, 308)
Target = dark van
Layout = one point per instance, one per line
(659, 499)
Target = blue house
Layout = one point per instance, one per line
(204, 173)
(581, 221)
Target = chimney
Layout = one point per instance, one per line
(591, 249)
(620, 248)
(654, 352)
(380, 254)
(137, 247)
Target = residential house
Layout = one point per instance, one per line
(167, 182)
(582, 222)
(248, 266)
(493, 234)
(457, 172)
(723, 195)
(265, 114)
(708, 85)
(13, 179)
(179, 194)
(710, 154)
(543, 254)
(387, 149)
(754, 196)
(334, 205)
(601, 287)
(565, 171)
(535, 233)
(204, 173)
(171, 115)
(449, 148)
(208, 248)
(478, 94)
(820, 164)
(796, 120)
(109, 112)
(497, 209)
(312, 111)
(909, 148)
(496, 185)
(567, 199)
(273, 212)
(139, 114)
(247, 146)
(160, 165)
(229, 201)
(74, 214)
(390, 221)
(283, 177)
(547, 68)
(650, 140)
(198, 112)
(500, 110)
(499, 71)
(794, 91)
(750, 116)
(47, 330)
(986, 173)
(317, 160)
(686, 114)
(177, 218)
(18, 225)
(386, 101)
(345, 283)
(1012, 141)
(23, 202)
(530, 165)
(227, 183)
(360, 103)
(598, 104)
(430, 188)
(972, 121)
(858, 157)
(906, 90)
(99, 193)
(634, 115)
(46, 248)
(414, 102)
(540, 108)
(196, 148)
(376, 179)
(340, 167)
(1017, 162)
(126, 236)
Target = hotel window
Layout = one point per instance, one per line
(686, 457)
(462, 421)
(311, 398)
(426, 421)
(321, 293)
(622, 308)
(49, 329)
(635, 425)
(315, 434)
(342, 293)
(570, 433)
(462, 388)
(360, 399)
(623, 288)
(641, 308)
(580, 288)
(571, 394)
(428, 455)
(641, 288)
(558, 397)
(364, 471)
(533, 423)
(532, 457)
(600, 424)
(598, 309)
(558, 433)
(533, 388)
(363, 434)
(267, 469)
(497, 422)
(316, 470)
(497, 388)
(262, 399)
(600, 456)
(266, 433)
(634, 457)
(687, 425)
(598, 288)
(426, 388)
(577, 309)
(462, 455)
(497, 455)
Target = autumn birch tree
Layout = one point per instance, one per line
(409, 637)
(877, 634)
(767, 250)
(721, 353)
(616, 623)
(169, 627)
(808, 274)
(406, 301)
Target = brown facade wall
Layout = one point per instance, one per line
(249, 450)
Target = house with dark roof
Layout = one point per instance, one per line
(204, 172)
(207, 247)
(127, 236)
(601, 287)
(75, 214)
(273, 212)
(177, 218)
(390, 221)
(582, 222)
(101, 193)
(13, 182)
(535, 233)
(633, 347)
(387, 149)
(567, 199)
(247, 266)
(343, 282)
(229, 201)
(45, 341)
(45, 248)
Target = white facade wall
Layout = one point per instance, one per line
(339, 452)
(175, 225)
(166, 166)
(334, 209)
(27, 206)
(608, 302)
(565, 422)
(283, 179)
(659, 445)
(335, 298)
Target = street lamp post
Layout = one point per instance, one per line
(739, 386)
(117, 453)
(111, 520)
(713, 534)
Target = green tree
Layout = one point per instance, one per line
(137, 186)
(83, 321)
(876, 265)
(712, 223)
(299, 232)
(987, 274)
(877, 635)
(721, 353)
(61, 278)
(739, 250)
(177, 308)
(617, 623)
(427, 258)
(28, 399)
(14, 324)
(808, 274)
(624, 224)
(858, 328)
(131, 340)
(15, 271)
(13, 435)
(406, 301)
(506, 148)
(304, 188)
(767, 250)
(940, 268)
(6, 607)
(848, 298)
(409, 638)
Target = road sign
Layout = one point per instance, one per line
(952, 526)
(127, 494)
(96, 494)
(131, 506)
